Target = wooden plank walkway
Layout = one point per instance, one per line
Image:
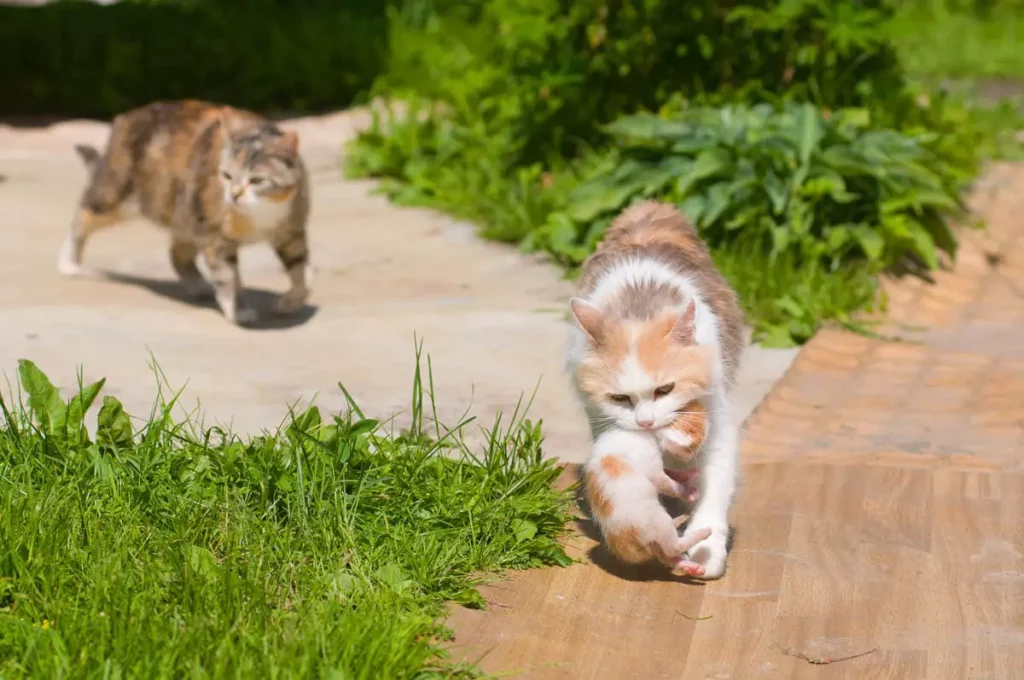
(881, 508)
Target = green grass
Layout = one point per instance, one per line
(935, 41)
(788, 301)
(327, 549)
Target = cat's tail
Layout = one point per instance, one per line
(90, 156)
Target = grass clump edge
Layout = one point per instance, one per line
(327, 549)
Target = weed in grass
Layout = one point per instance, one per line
(327, 549)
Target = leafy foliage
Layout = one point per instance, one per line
(785, 127)
(792, 181)
(325, 550)
(78, 58)
(544, 75)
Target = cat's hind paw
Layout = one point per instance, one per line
(290, 302)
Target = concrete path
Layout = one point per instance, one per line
(491, 318)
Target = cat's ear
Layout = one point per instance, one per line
(290, 145)
(684, 330)
(589, 317)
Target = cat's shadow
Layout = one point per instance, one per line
(261, 300)
(604, 560)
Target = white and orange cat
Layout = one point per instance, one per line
(652, 314)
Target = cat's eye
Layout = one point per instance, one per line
(621, 399)
(226, 175)
(255, 181)
(663, 390)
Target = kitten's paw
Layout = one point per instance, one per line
(709, 553)
(675, 443)
(290, 302)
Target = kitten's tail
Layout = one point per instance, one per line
(90, 156)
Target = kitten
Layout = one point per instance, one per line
(649, 297)
(217, 178)
(623, 478)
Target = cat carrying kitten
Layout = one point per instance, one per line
(217, 177)
(648, 299)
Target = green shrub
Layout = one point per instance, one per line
(546, 74)
(794, 181)
(80, 59)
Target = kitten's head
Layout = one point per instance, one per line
(258, 164)
(641, 373)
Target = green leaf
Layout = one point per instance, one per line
(113, 426)
(43, 398)
(871, 242)
(523, 530)
(80, 404)
(201, 561)
(308, 420)
(811, 132)
(710, 163)
(645, 127)
(777, 192)
(717, 203)
(923, 244)
(392, 576)
(364, 426)
(693, 207)
(470, 598)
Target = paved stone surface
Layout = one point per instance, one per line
(881, 510)
(950, 393)
(491, 318)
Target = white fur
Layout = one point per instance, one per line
(718, 457)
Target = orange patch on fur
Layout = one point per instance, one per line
(692, 422)
(615, 467)
(281, 196)
(597, 370)
(237, 226)
(599, 503)
(627, 546)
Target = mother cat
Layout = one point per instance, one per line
(647, 296)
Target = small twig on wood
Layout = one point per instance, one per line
(695, 618)
(821, 660)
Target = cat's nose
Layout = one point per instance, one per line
(237, 194)
(646, 424)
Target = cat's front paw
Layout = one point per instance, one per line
(67, 263)
(710, 553)
(290, 302)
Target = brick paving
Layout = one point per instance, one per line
(951, 393)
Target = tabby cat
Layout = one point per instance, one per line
(217, 177)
